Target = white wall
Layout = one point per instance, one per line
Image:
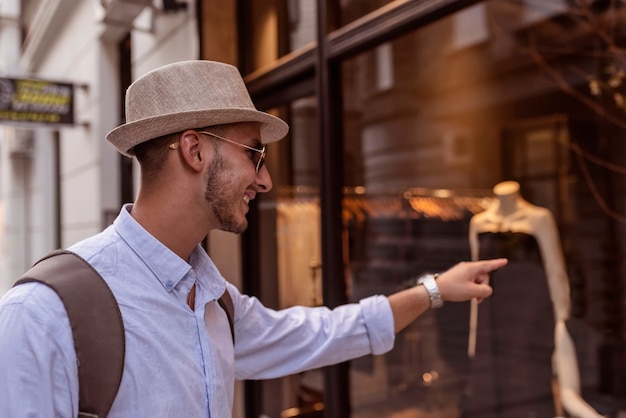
(67, 51)
(87, 169)
(9, 52)
(173, 37)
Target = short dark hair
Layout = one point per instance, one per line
(152, 154)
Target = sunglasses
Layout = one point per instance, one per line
(256, 155)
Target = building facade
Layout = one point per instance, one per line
(405, 116)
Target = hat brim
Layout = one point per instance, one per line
(126, 137)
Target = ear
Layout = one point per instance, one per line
(192, 151)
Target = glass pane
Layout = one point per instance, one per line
(530, 91)
(291, 260)
(276, 28)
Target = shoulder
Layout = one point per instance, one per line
(540, 216)
(35, 296)
(481, 216)
(35, 307)
(240, 301)
(483, 220)
(543, 226)
(105, 251)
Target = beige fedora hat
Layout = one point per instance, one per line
(188, 95)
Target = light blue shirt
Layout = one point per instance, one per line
(179, 362)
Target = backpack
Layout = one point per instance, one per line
(93, 313)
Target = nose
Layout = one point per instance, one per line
(263, 180)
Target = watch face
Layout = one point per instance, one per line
(6, 93)
(423, 277)
(429, 282)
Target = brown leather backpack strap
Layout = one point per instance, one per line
(97, 326)
(226, 302)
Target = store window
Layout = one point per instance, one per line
(528, 93)
(288, 238)
(273, 29)
(446, 111)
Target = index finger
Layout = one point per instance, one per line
(486, 266)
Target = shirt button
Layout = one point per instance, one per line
(169, 285)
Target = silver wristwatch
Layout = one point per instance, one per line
(430, 283)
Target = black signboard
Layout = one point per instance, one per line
(36, 102)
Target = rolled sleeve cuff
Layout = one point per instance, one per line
(379, 322)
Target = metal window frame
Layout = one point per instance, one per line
(319, 65)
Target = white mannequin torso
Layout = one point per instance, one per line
(509, 212)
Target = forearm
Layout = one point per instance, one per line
(463, 282)
(408, 305)
(577, 406)
(568, 375)
(276, 343)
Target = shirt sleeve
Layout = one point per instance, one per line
(37, 359)
(272, 343)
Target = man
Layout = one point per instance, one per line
(201, 146)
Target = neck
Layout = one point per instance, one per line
(508, 197)
(176, 226)
(508, 204)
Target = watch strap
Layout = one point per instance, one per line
(430, 284)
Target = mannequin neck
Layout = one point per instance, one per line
(508, 204)
(508, 197)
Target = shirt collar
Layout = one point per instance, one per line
(168, 267)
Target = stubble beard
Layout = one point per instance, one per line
(218, 194)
